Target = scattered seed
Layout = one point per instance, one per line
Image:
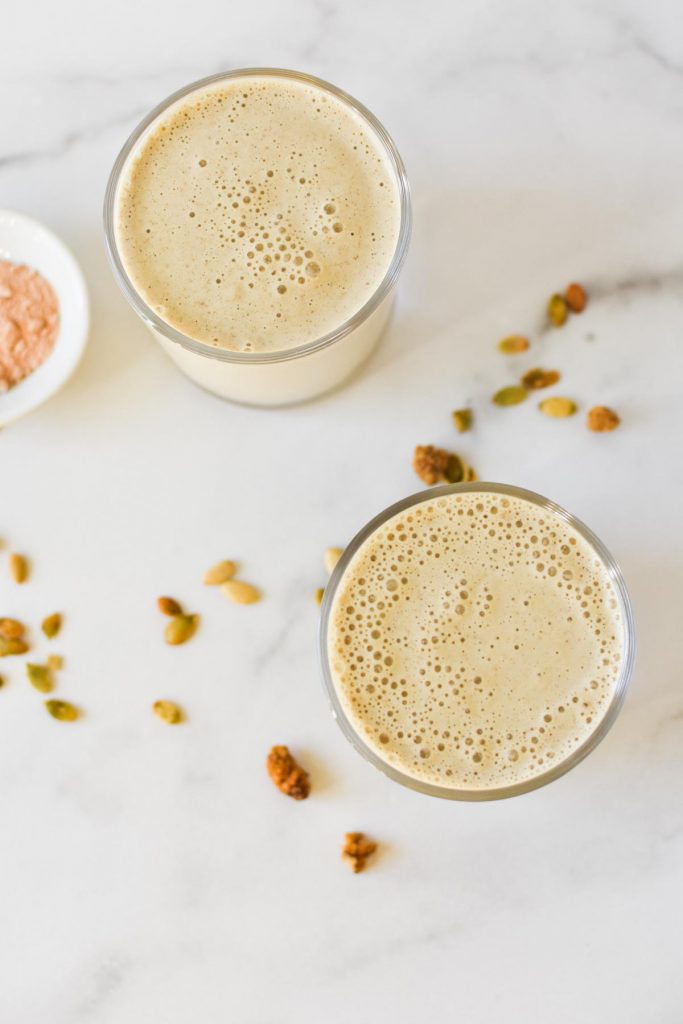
(455, 470)
(601, 419)
(167, 711)
(11, 629)
(331, 557)
(220, 573)
(510, 396)
(575, 295)
(462, 419)
(18, 567)
(470, 475)
(169, 606)
(319, 596)
(513, 345)
(12, 646)
(2, 681)
(181, 628)
(535, 379)
(55, 662)
(52, 625)
(62, 710)
(356, 850)
(557, 309)
(241, 593)
(40, 677)
(557, 407)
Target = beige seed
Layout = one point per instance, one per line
(557, 407)
(331, 557)
(11, 629)
(18, 567)
(168, 711)
(181, 628)
(513, 345)
(40, 677)
(169, 606)
(52, 625)
(512, 395)
(55, 662)
(62, 710)
(220, 573)
(241, 593)
(12, 646)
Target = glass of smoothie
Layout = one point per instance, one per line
(477, 641)
(257, 221)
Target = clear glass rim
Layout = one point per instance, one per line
(606, 722)
(247, 358)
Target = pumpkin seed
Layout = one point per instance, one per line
(220, 573)
(513, 345)
(510, 396)
(40, 677)
(535, 379)
(18, 567)
(62, 710)
(12, 646)
(319, 595)
(52, 625)
(455, 469)
(55, 662)
(576, 298)
(241, 593)
(11, 629)
(557, 309)
(167, 711)
(181, 628)
(557, 407)
(331, 557)
(462, 418)
(169, 606)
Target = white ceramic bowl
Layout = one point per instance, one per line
(24, 240)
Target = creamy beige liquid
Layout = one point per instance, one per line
(258, 214)
(475, 641)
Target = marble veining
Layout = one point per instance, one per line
(153, 874)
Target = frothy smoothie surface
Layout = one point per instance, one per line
(258, 214)
(475, 641)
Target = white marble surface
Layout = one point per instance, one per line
(154, 875)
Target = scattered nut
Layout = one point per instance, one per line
(356, 850)
(557, 407)
(535, 379)
(331, 557)
(169, 606)
(430, 463)
(55, 662)
(12, 646)
(62, 710)
(513, 345)
(576, 298)
(220, 573)
(181, 628)
(462, 419)
(52, 625)
(18, 567)
(601, 419)
(11, 629)
(512, 395)
(319, 595)
(40, 677)
(557, 309)
(289, 777)
(168, 711)
(241, 593)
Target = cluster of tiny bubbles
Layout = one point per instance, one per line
(475, 640)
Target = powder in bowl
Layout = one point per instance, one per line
(29, 322)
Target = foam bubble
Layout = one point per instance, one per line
(462, 656)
